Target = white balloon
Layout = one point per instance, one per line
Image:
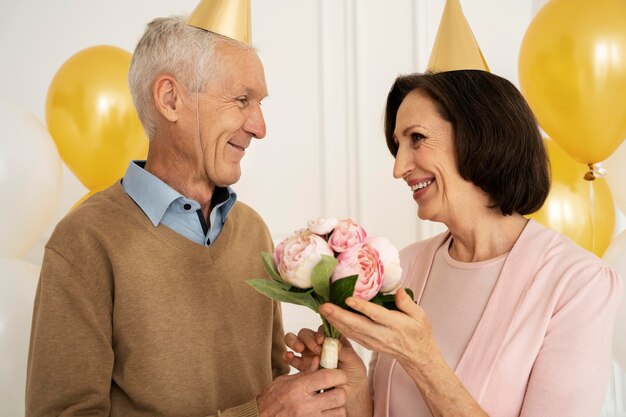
(616, 256)
(615, 174)
(30, 180)
(18, 283)
(537, 5)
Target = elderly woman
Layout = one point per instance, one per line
(512, 319)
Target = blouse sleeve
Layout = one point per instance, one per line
(570, 374)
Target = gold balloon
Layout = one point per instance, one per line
(582, 210)
(91, 116)
(572, 69)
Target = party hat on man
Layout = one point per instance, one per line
(230, 18)
(455, 47)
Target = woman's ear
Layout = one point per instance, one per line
(167, 97)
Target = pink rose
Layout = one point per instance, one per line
(296, 256)
(362, 260)
(322, 226)
(346, 234)
(391, 262)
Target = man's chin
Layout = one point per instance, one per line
(228, 180)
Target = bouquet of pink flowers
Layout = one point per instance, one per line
(330, 261)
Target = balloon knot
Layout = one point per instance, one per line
(595, 171)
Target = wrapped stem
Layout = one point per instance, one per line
(330, 353)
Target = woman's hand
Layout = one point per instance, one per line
(405, 335)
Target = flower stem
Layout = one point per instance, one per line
(329, 330)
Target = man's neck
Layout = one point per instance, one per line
(182, 175)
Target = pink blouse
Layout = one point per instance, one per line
(542, 346)
(465, 287)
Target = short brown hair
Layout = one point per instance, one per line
(498, 144)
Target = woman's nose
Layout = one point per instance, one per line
(404, 163)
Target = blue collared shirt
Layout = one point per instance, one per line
(163, 204)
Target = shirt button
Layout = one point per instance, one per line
(187, 206)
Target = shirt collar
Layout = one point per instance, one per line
(225, 199)
(154, 196)
(150, 193)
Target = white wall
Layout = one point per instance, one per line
(329, 65)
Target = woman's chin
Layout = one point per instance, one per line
(423, 214)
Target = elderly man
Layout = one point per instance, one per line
(142, 307)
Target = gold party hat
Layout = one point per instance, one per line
(455, 46)
(230, 18)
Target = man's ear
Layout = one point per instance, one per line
(166, 92)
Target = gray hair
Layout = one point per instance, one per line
(171, 46)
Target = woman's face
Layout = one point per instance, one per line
(426, 160)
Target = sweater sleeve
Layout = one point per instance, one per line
(70, 359)
(249, 409)
(570, 374)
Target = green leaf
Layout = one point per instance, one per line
(280, 292)
(320, 276)
(386, 298)
(389, 300)
(270, 267)
(296, 289)
(318, 298)
(378, 299)
(342, 289)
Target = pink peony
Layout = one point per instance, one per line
(391, 262)
(346, 234)
(296, 256)
(322, 226)
(362, 260)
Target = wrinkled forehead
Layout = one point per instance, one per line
(418, 109)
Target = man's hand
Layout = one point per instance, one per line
(297, 395)
(307, 347)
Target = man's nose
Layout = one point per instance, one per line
(255, 124)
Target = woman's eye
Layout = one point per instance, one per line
(416, 137)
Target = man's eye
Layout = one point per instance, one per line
(243, 100)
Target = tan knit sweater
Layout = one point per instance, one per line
(133, 320)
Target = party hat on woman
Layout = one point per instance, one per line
(455, 47)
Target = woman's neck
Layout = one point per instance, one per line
(485, 237)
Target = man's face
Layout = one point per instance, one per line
(229, 113)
